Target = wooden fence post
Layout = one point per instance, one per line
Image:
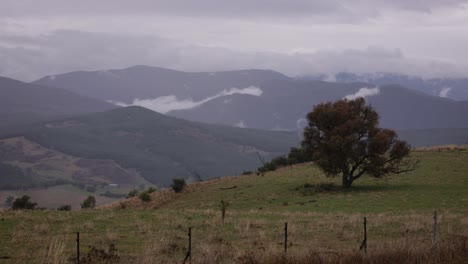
(285, 237)
(364, 242)
(189, 251)
(435, 228)
(78, 247)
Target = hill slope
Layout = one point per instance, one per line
(161, 147)
(22, 103)
(439, 182)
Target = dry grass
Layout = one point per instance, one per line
(159, 236)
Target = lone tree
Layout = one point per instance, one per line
(343, 137)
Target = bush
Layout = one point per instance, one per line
(145, 197)
(151, 189)
(132, 193)
(90, 202)
(66, 207)
(23, 203)
(178, 184)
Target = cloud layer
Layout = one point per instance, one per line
(239, 8)
(425, 38)
(363, 92)
(165, 104)
(29, 58)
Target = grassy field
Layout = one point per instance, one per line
(324, 222)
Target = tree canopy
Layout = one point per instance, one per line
(343, 137)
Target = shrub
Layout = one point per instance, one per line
(145, 197)
(151, 189)
(178, 184)
(66, 207)
(89, 202)
(23, 203)
(132, 193)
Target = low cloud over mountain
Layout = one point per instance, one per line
(165, 104)
(363, 92)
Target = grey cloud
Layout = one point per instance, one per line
(29, 58)
(239, 8)
(363, 92)
(444, 92)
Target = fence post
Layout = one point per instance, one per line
(190, 244)
(364, 242)
(435, 228)
(285, 237)
(78, 247)
(189, 251)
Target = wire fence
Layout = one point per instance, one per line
(114, 245)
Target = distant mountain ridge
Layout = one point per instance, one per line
(125, 85)
(453, 88)
(23, 103)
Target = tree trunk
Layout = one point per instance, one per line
(346, 181)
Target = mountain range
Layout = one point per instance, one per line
(257, 98)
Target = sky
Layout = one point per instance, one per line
(426, 38)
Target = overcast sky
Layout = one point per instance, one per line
(428, 38)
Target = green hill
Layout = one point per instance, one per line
(159, 147)
(439, 182)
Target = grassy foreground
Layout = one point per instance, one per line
(324, 222)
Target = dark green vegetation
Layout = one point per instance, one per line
(324, 220)
(159, 147)
(89, 202)
(23, 203)
(178, 184)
